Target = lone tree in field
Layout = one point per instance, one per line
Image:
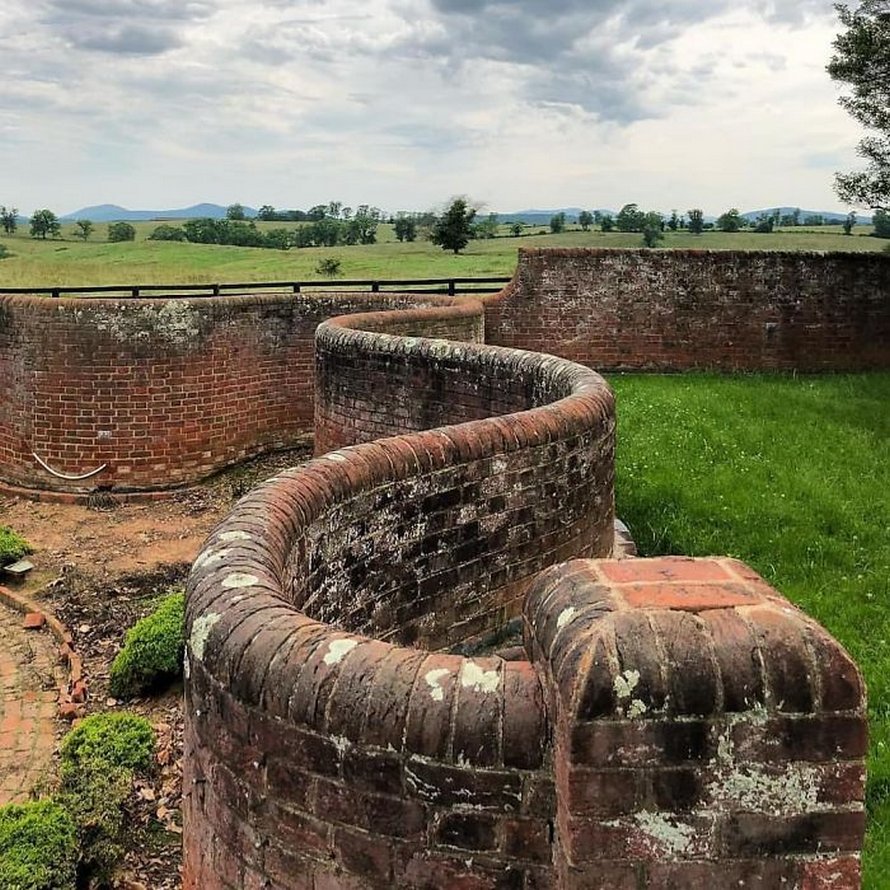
(43, 223)
(558, 223)
(862, 60)
(696, 221)
(83, 228)
(585, 220)
(453, 230)
(731, 221)
(235, 211)
(121, 231)
(9, 219)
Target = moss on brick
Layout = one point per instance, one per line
(38, 847)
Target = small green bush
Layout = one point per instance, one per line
(110, 740)
(12, 546)
(95, 796)
(38, 847)
(153, 650)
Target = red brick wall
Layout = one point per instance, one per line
(675, 310)
(318, 754)
(162, 391)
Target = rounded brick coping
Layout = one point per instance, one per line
(692, 252)
(683, 638)
(245, 633)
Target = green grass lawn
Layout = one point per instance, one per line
(66, 261)
(791, 475)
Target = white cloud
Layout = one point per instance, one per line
(159, 103)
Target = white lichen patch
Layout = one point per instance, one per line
(341, 743)
(473, 677)
(210, 556)
(672, 837)
(793, 790)
(175, 322)
(338, 650)
(236, 535)
(201, 628)
(636, 709)
(625, 684)
(433, 680)
(565, 616)
(186, 666)
(336, 457)
(239, 579)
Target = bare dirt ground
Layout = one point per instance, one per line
(102, 568)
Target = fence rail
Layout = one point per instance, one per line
(450, 286)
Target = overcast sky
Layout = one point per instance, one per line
(402, 103)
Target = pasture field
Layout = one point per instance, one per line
(67, 261)
(791, 475)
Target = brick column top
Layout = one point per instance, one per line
(678, 636)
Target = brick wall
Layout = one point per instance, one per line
(674, 310)
(320, 751)
(163, 392)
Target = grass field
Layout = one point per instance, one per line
(791, 475)
(36, 263)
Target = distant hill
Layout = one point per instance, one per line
(112, 212)
(543, 217)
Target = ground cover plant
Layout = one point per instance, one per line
(12, 546)
(38, 847)
(152, 652)
(791, 475)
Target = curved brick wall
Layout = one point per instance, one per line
(162, 391)
(165, 392)
(317, 754)
(668, 723)
(672, 310)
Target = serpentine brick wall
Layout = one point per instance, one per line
(671, 310)
(161, 393)
(667, 723)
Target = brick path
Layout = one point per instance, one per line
(29, 689)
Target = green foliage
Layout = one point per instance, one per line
(516, 229)
(9, 219)
(235, 211)
(12, 546)
(849, 223)
(405, 227)
(4, 252)
(731, 221)
(84, 228)
(696, 220)
(109, 740)
(453, 230)
(95, 797)
(653, 229)
(881, 222)
(153, 650)
(38, 847)
(121, 231)
(862, 60)
(585, 220)
(167, 233)
(329, 266)
(607, 223)
(630, 219)
(488, 227)
(558, 223)
(43, 223)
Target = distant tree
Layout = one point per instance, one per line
(487, 228)
(167, 233)
(236, 212)
(516, 229)
(696, 221)
(84, 228)
(630, 219)
(881, 222)
(362, 228)
(789, 220)
(329, 266)
(607, 223)
(764, 224)
(279, 239)
(653, 229)
(674, 222)
(202, 230)
(316, 213)
(731, 221)
(814, 219)
(558, 223)
(849, 223)
(346, 213)
(585, 220)
(453, 230)
(9, 219)
(862, 60)
(121, 231)
(43, 223)
(266, 213)
(405, 227)
(334, 208)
